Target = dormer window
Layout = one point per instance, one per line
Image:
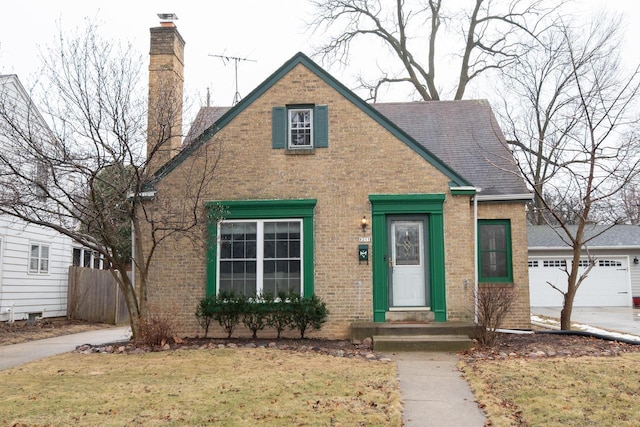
(301, 128)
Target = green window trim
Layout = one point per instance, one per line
(505, 253)
(265, 209)
(280, 126)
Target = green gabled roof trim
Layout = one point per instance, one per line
(301, 58)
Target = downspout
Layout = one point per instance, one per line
(133, 255)
(475, 256)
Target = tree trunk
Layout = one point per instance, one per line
(126, 287)
(565, 313)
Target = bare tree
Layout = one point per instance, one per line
(631, 203)
(572, 133)
(490, 35)
(96, 175)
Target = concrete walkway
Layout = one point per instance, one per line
(434, 393)
(17, 354)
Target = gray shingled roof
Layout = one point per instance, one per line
(463, 134)
(621, 235)
(466, 136)
(205, 118)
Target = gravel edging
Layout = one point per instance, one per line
(342, 349)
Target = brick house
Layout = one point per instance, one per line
(372, 207)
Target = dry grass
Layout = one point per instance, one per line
(227, 387)
(585, 391)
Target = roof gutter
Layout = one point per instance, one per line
(504, 197)
(591, 248)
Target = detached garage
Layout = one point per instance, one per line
(613, 280)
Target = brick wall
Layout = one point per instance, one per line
(519, 316)
(362, 159)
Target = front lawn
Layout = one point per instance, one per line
(230, 387)
(581, 391)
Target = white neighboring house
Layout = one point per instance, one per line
(614, 280)
(34, 260)
(34, 269)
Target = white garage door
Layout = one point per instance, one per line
(608, 283)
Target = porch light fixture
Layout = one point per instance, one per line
(364, 223)
(636, 261)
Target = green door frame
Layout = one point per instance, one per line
(397, 204)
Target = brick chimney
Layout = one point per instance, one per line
(166, 81)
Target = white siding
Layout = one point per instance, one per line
(24, 292)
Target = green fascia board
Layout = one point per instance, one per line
(455, 192)
(301, 58)
(265, 209)
(406, 203)
(461, 190)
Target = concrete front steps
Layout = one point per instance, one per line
(415, 336)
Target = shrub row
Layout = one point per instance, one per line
(287, 311)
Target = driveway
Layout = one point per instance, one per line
(617, 319)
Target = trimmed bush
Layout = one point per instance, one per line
(205, 311)
(228, 311)
(254, 316)
(292, 311)
(307, 314)
(279, 313)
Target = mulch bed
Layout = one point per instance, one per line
(542, 345)
(536, 345)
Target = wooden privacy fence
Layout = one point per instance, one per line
(94, 296)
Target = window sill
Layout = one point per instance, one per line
(299, 151)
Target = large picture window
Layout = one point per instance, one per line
(494, 251)
(262, 246)
(260, 257)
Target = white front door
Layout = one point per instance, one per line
(407, 263)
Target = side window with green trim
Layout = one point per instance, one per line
(494, 251)
(298, 127)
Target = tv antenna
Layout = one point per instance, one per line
(236, 60)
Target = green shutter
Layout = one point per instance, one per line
(321, 126)
(279, 127)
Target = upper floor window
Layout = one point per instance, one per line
(494, 250)
(300, 127)
(39, 258)
(41, 180)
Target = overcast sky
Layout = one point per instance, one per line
(266, 31)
